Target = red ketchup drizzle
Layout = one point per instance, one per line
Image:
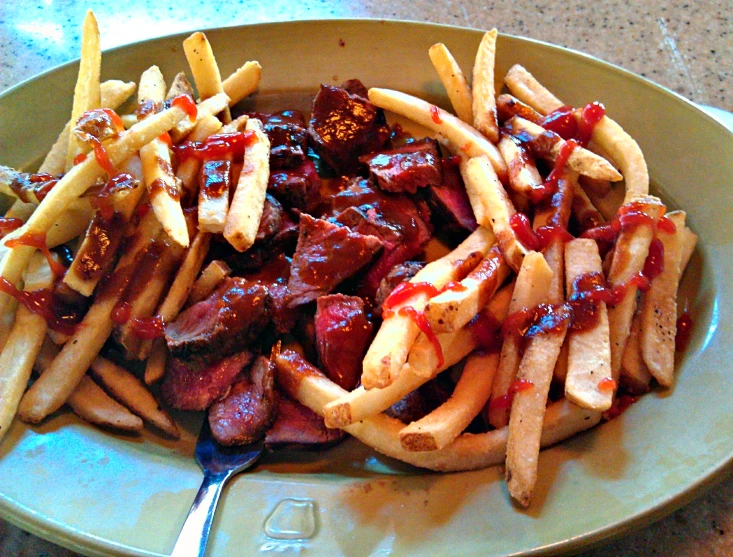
(406, 290)
(665, 224)
(38, 241)
(454, 286)
(8, 224)
(619, 406)
(148, 328)
(549, 186)
(505, 401)
(219, 146)
(591, 115)
(185, 103)
(523, 231)
(165, 137)
(561, 121)
(607, 384)
(80, 158)
(43, 302)
(485, 329)
(421, 321)
(115, 184)
(435, 114)
(547, 234)
(143, 209)
(102, 157)
(654, 262)
(121, 313)
(684, 332)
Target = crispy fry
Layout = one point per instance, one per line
(128, 389)
(634, 375)
(522, 171)
(527, 89)
(188, 170)
(485, 191)
(245, 211)
(243, 82)
(689, 241)
(531, 289)
(87, 94)
(508, 106)
(659, 306)
(584, 210)
(205, 71)
(458, 136)
(389, 349)
(468, 452)
(210, 278)
(215, 180)
(609, 204)
(445, 423)
(452, 309)
(179, 86)
(484, 92)
(452, 78)
(589, 350)
(209, 107)
(155, 364)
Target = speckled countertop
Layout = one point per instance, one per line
(686, 46)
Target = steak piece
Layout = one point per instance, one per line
(399, 274)
(288, 137)
(405, 169)
(343, 333)
(419, 403)
(326, 254)
(188, 387)
(385, 213)
(231, 317)
(272, 219)
(449, 201)
(244, 415)
(344, 126)
(298, 427)
(298, 187)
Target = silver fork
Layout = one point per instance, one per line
(219, 464)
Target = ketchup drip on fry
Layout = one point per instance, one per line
(217, 147)
(523, 231)
(186, 103)
(43, 302)
(148, 328)
(547, 234)
(504, 402)
(80, 158)
(435, 114)
(591, 115)
(421, 321)
(549, 186)
(561, 121)
(102, 157)
(654, 262)
(121, 313)
(619, 406)
(665, 224)
(38, 241)
(8, 224)
(607, 384)
(684, 332)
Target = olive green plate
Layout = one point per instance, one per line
(101, 494)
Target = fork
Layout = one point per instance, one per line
(219, 464)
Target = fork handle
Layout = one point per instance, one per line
(195, 532)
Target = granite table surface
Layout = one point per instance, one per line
(685, 46)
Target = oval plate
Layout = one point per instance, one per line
(101, 494)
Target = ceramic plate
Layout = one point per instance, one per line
(101, 494)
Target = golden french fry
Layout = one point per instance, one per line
(452, 78)
(243, 82)
(210, 278)
(531, 289)
(188, 170)
(521, 170)
(155, 364)
(484, 92)
(659, 306)
(589, 350)
(392, 343)
(445, 423)
(527, 89)
(203, 65)
(215, 180)
(245, 211)
(634, 374)
(689, 241)
(209, 107)
(458, 136)
(584, 210)
(179, 86)
(609, 204)
(485, 189)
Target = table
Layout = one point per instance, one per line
(687, 47)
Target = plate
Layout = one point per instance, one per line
(101, 494)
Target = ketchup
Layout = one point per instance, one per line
(591, 115)
(43, 302)
(549, 186)
(619, 406)
(186, 103)
(435, 114)
(148, 328)
(421, 321)
(665, 224)
(654, 262)
(406, 290)
(519, 224)
(485, 329)
(38, 241)
(684, 332)
(8, 224)
(217, 147)
(547, 234)
(121, 313)
(607, 384)
(505, 401)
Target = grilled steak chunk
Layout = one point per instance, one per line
(248, 410)
(405, 169)
(397, 275)
(419, 403)
(189, 387)
(450, 203)
(272, 219)
(298, 427)
(231, 317)
(343, 333)
(298, 187)
(344, 126)
(326, 254)
(288, 137)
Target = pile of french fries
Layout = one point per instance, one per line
(630, 343)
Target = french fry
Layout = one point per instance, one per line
(452, 309)
(527, 89)
(20, 210)
(458, 136)
(128, 389)
(87, 93)
(485, 190)
(531, 289)
(528, 413)
(179, 86)
(548, 145)
(609, 204)
(584, 210)
(589, 350)
(391, 345)
(188, 170)
(89, 401)
(484, 92)
(159, 178)
(23, 345)
(629, 255)
(508, 106)
(468, 452)
(689, 241)
(521, 170)
(210, 278)
(360, 403)
(634, 375)
(600, 188)
(445, 423)
(209, 107)
(205, 71)
(245, 211)
(53, 388)
(659, 306)
(215, 180)
(155, 364)
(243, 82)
(452, 78)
